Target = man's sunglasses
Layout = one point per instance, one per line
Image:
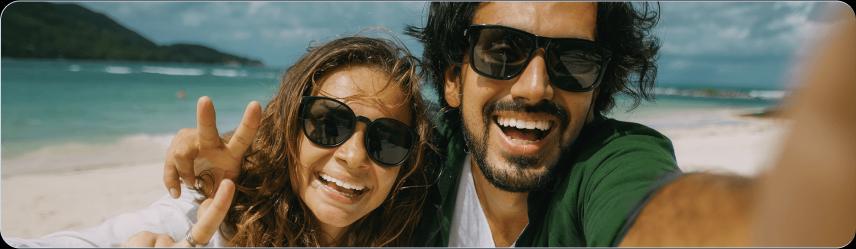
(502, 53)
(329, 123)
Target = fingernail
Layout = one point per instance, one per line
(173, 192)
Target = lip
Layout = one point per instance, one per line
(514, 148)
(334, 195)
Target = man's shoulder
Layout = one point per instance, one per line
(612, 130)
(606, 137)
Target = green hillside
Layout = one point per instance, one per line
(70, 31)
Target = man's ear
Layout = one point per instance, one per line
(452, 86)
(592, 110)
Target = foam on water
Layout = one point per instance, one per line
(228, 72)
(721, 93)
(117, 70)
(174, 71)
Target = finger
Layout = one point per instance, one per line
(246, 132)
(182, 244)
(183, 151)
(141, 239)
(164, 240)
(210, 220)
(170, 179)
(185, 171)
(203, 207)
(206, 121)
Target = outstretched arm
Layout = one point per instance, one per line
(806, 199)
(809, 198)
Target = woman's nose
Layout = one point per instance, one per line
(352, 153)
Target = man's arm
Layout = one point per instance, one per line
(698, 209)
(807, 199)
(810, 197)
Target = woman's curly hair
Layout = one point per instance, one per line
(267, 212)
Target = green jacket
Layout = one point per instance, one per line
(600, 183)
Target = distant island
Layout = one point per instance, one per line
(70, 31)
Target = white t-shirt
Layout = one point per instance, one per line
(469, 223)
(165, 216)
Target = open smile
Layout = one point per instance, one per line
(341, 190)
(524, 133)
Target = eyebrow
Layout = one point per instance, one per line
(368, 100)
(501, 23)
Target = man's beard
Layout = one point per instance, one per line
(517, 178)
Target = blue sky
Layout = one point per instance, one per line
(734, 44)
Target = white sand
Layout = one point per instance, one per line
(744, 149)
(40, 203)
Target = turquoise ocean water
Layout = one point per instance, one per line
(55, 102)
(49, 104)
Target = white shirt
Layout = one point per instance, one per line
(469, 224)
(165, 216)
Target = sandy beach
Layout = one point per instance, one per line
(38, 203)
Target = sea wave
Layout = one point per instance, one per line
(74, 68)
(117, 70)
(129, 150)
(770, 94)
(228, 73)
(722, 93)
(174, 71)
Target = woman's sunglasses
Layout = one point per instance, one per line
(502, 53)
(329, 123)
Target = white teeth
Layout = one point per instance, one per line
(342, 183)
(524, 124)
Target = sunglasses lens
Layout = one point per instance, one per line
(499, 53)
(327, 122)
(389, 141)
(573, 68)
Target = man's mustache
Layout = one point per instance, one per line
(543, 107)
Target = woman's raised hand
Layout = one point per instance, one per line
(209, 216)
(194, 151)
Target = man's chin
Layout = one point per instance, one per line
(516, 173)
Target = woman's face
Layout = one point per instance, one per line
(324, 172)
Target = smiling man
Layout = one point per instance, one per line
(531, 159)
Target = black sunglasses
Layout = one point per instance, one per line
(329, 123)
(502, 53)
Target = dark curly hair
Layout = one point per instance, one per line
(621, 28)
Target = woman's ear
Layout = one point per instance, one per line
(452, 86)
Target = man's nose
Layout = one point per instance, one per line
(533, 84)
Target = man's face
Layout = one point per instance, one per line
(505, 120)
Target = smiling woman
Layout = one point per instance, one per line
(336, 159)
(325, 185)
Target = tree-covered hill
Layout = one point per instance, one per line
(70, 31)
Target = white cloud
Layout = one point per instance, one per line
(736, 28)
(241, 35)
(678, 64)
(254, 7)
(192, 18)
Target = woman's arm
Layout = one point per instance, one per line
(166, 215)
